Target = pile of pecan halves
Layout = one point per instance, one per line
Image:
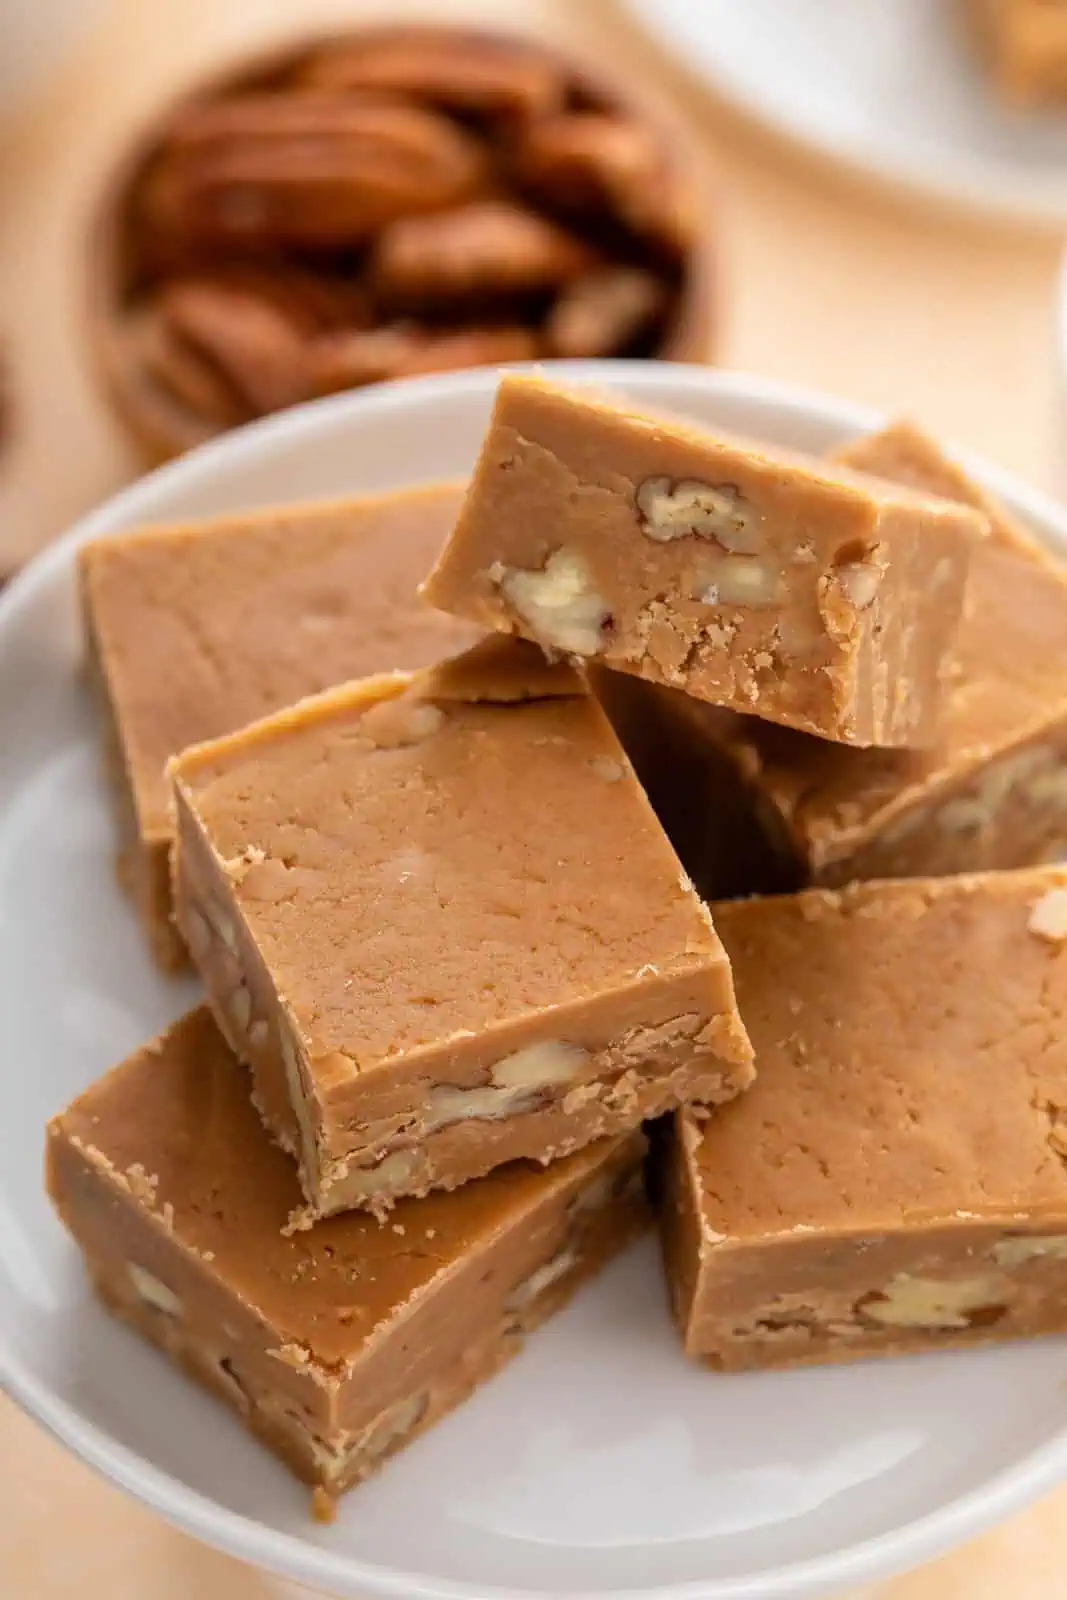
(401, 202)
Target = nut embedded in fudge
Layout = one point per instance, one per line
(336, 1346)
(752, 578)
(897, 1178)
(438, 918)
(992, 793)
(196, 630)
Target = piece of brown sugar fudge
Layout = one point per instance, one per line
(339, 1345)
(195, 630)
(749, 577)
(993, 790)
(1025, 42)
(897, 1178)
(437, 916)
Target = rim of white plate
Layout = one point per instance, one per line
(1035, 1472)
(952, 182)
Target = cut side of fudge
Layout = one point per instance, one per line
(747, 576)
(195, 630)
(897, 1178)
(992, 793)
(437, 916)
(336, 1346)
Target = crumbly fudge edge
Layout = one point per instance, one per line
(243, 1000)
(998, 813)
(882, 1288)
(209, 919)
(646, 1073)
(286, 1433)
(592, 1211)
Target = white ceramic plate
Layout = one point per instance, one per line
(893, 88)
(600, 1464)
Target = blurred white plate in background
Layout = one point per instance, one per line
(893, 88)
(601, 1465)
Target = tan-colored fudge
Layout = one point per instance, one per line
(339, 1345)
(992, 792)
(1025, 44)
(896, 1179)
(755, 579)
(438, 918)
(195, 630)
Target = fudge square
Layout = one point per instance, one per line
(896, 1179)
(993, 791)
(336, 1346)
(196, 630)
(749, 577)
(436, 915)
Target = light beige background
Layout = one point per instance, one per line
(824, 283)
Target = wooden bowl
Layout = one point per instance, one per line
(123, 253)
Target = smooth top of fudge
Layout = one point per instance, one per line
(175, 1125)
(575, 424)
(911, 1041)
(745, 574)
(1009, 675)
(902, 453)
(204, 627)
(469, 842)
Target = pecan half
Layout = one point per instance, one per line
(318, 300)
(585, 163)
(402, 350)
(465, 72)
(396, 200)
(487, 249)
(347, 361)
(252, 330)
(185, 376)
(603, 312)
(306, 169)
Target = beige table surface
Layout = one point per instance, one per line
(825, 283)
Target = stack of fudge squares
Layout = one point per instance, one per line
(702, 785)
